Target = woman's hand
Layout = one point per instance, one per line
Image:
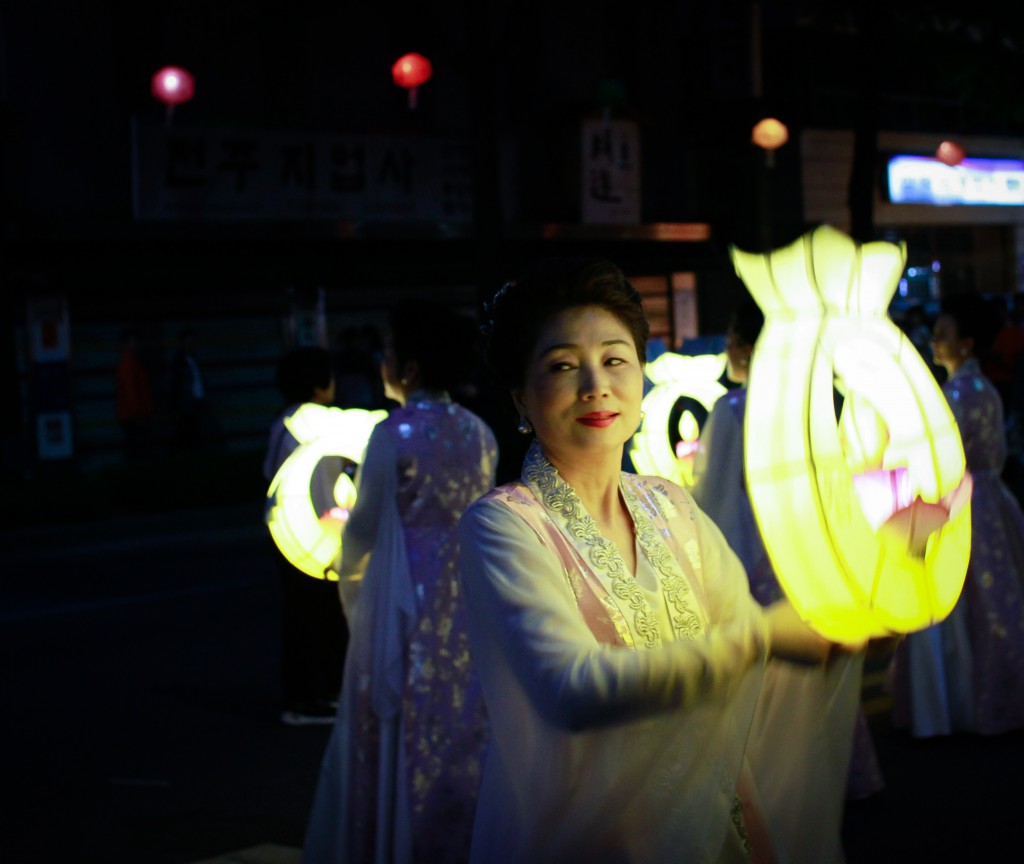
(795, 641)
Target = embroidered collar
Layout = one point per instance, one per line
(567, 510)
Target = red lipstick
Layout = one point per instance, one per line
(598, 419)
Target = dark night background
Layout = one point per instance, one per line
(139, 604)
(513, 82)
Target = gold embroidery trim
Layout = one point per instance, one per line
(559, 497)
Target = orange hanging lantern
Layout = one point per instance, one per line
(769, 134)
(410, 71)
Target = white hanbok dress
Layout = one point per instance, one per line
(620, 703)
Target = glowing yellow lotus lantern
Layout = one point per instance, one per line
(675, 409)
(865, 520)
(311, 540)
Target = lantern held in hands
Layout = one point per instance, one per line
(310, 538)
(866, 520)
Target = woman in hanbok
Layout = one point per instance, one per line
(834, 695)
(966, 674)
(399, 779)
(620, 650)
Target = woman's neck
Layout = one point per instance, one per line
(594, 478)
(954, 366)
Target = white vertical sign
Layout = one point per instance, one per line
(611, 171)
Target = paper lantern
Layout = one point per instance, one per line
(950, 153)
(852, 568)
(311, 540)
(173, 85)
(410, 71)
(769, 134)
(675, 409)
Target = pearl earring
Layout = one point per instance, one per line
(524, 427)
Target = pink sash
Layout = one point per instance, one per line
(596, 607)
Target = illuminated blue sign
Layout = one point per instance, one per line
(924, 180)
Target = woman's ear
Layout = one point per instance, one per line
(517, 401)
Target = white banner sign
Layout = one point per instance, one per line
(244, 174)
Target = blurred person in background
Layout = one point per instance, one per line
(400, 776)
(194, 425)
(134, 398)
(314, 634)
(966, 673)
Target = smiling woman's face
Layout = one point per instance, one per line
(583, 384)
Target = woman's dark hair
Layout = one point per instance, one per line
(514, 318)
(440, 340)
(747, 320)
(975, 318)
(301, 371)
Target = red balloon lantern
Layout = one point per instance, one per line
(173, 85)
(410, 71)
(950, 153)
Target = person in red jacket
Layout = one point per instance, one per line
(134, 397)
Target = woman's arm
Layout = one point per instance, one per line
(730, 602)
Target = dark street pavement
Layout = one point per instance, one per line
(140, 682)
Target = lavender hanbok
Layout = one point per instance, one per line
(966, 674)
(400, 776)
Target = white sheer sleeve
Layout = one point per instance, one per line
(375, 480)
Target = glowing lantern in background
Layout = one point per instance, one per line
(769, 134)
(950, 153)
(173, 85)
(866, 522)
(685, 389)
(310, 540)
(410, 71)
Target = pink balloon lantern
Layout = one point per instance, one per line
(950, 153)
(410, 71)
(173, 85)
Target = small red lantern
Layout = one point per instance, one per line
(950, 153)
(409, 71)
(173, 85)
